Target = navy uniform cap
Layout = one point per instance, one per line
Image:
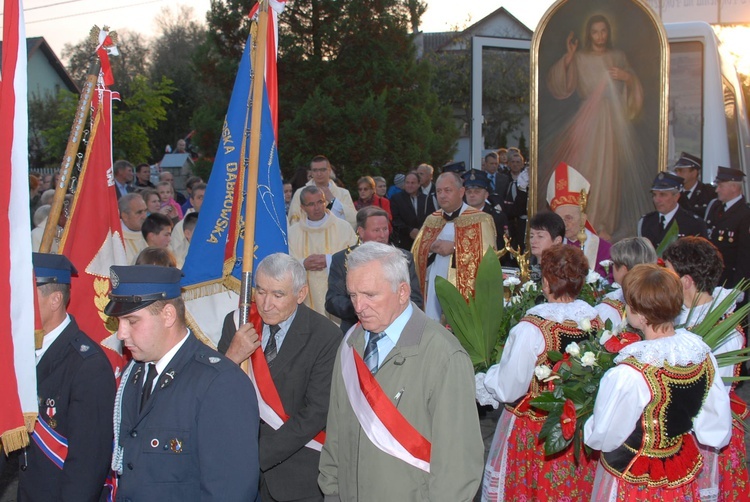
(476, 178)
(455, 167)
(667, 181)
(138, 286)
(52, 268)
(729, 174)
(687, 160)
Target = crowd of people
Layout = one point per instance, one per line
(357, 390)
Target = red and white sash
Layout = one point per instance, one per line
(381, 421)
(52, 443)
(269, 403)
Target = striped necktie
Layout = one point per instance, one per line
(371, 352)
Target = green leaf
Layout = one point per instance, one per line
(553, 419)
(488, 297)
(672, 234)
(555, 442)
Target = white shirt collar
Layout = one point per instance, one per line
(162, 363)
(732, 202)
(668, 217)
(50, 338)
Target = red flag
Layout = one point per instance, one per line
(272, 44)
(92, 239)
(17, 362)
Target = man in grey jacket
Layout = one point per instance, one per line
(402, 422)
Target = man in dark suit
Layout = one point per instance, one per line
(186, 417)
(654, 226)
(695, 195)
(427, 187)
(122, 171)
(76, 393)
(515, 200)
(297, 346)
(408, 210)
(728, 221)
(372, 225)
(477, 188)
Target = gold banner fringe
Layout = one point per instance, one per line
(29, 418)
(199, 291)
(14, 439)
(197, 331)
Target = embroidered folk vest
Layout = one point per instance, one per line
(557, 336)
(661, 451)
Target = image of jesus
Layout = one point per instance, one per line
(599, 140)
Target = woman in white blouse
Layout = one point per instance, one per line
(517, 468)
(625, 255)
(699, 265)
(662, 388)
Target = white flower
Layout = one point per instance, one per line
(606, 335)
(573, 349)
(588, 359)
(542, 372)
(606, 264)
(593, 277)
(511, 282)
(585, 324)
(528, 286)
(616, 285)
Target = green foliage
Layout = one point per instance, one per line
(351, 88)
(476, 323)
(672, 234)
(48, 134)
(505, 85)
(172, 55)
(137, 115)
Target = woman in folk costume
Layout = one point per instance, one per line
(661, 388)
(567, 196)
(699, 265)
(625, 255)
(517, 468)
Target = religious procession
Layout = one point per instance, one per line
(563, 322)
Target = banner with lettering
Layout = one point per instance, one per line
(213, 264)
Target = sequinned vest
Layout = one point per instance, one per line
(661, 451)
(557, 336)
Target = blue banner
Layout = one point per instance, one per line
(215, 253)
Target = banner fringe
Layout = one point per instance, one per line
(14, 439)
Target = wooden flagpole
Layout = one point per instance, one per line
(66, 168)
(251, 197)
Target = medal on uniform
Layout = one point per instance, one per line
(731, 237)
(51, 412)
(721, 235)
(175, 445)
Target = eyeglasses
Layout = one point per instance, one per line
(316, 203)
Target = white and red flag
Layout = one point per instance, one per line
(17, 360)
(92, 239)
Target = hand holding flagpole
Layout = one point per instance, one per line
(251, 197)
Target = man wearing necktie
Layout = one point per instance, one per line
(76, 391)
(695, 195)
(665, 192)
(417, 374)
(451, 243)
(181, 406)
(728, 221)
(299, 346)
